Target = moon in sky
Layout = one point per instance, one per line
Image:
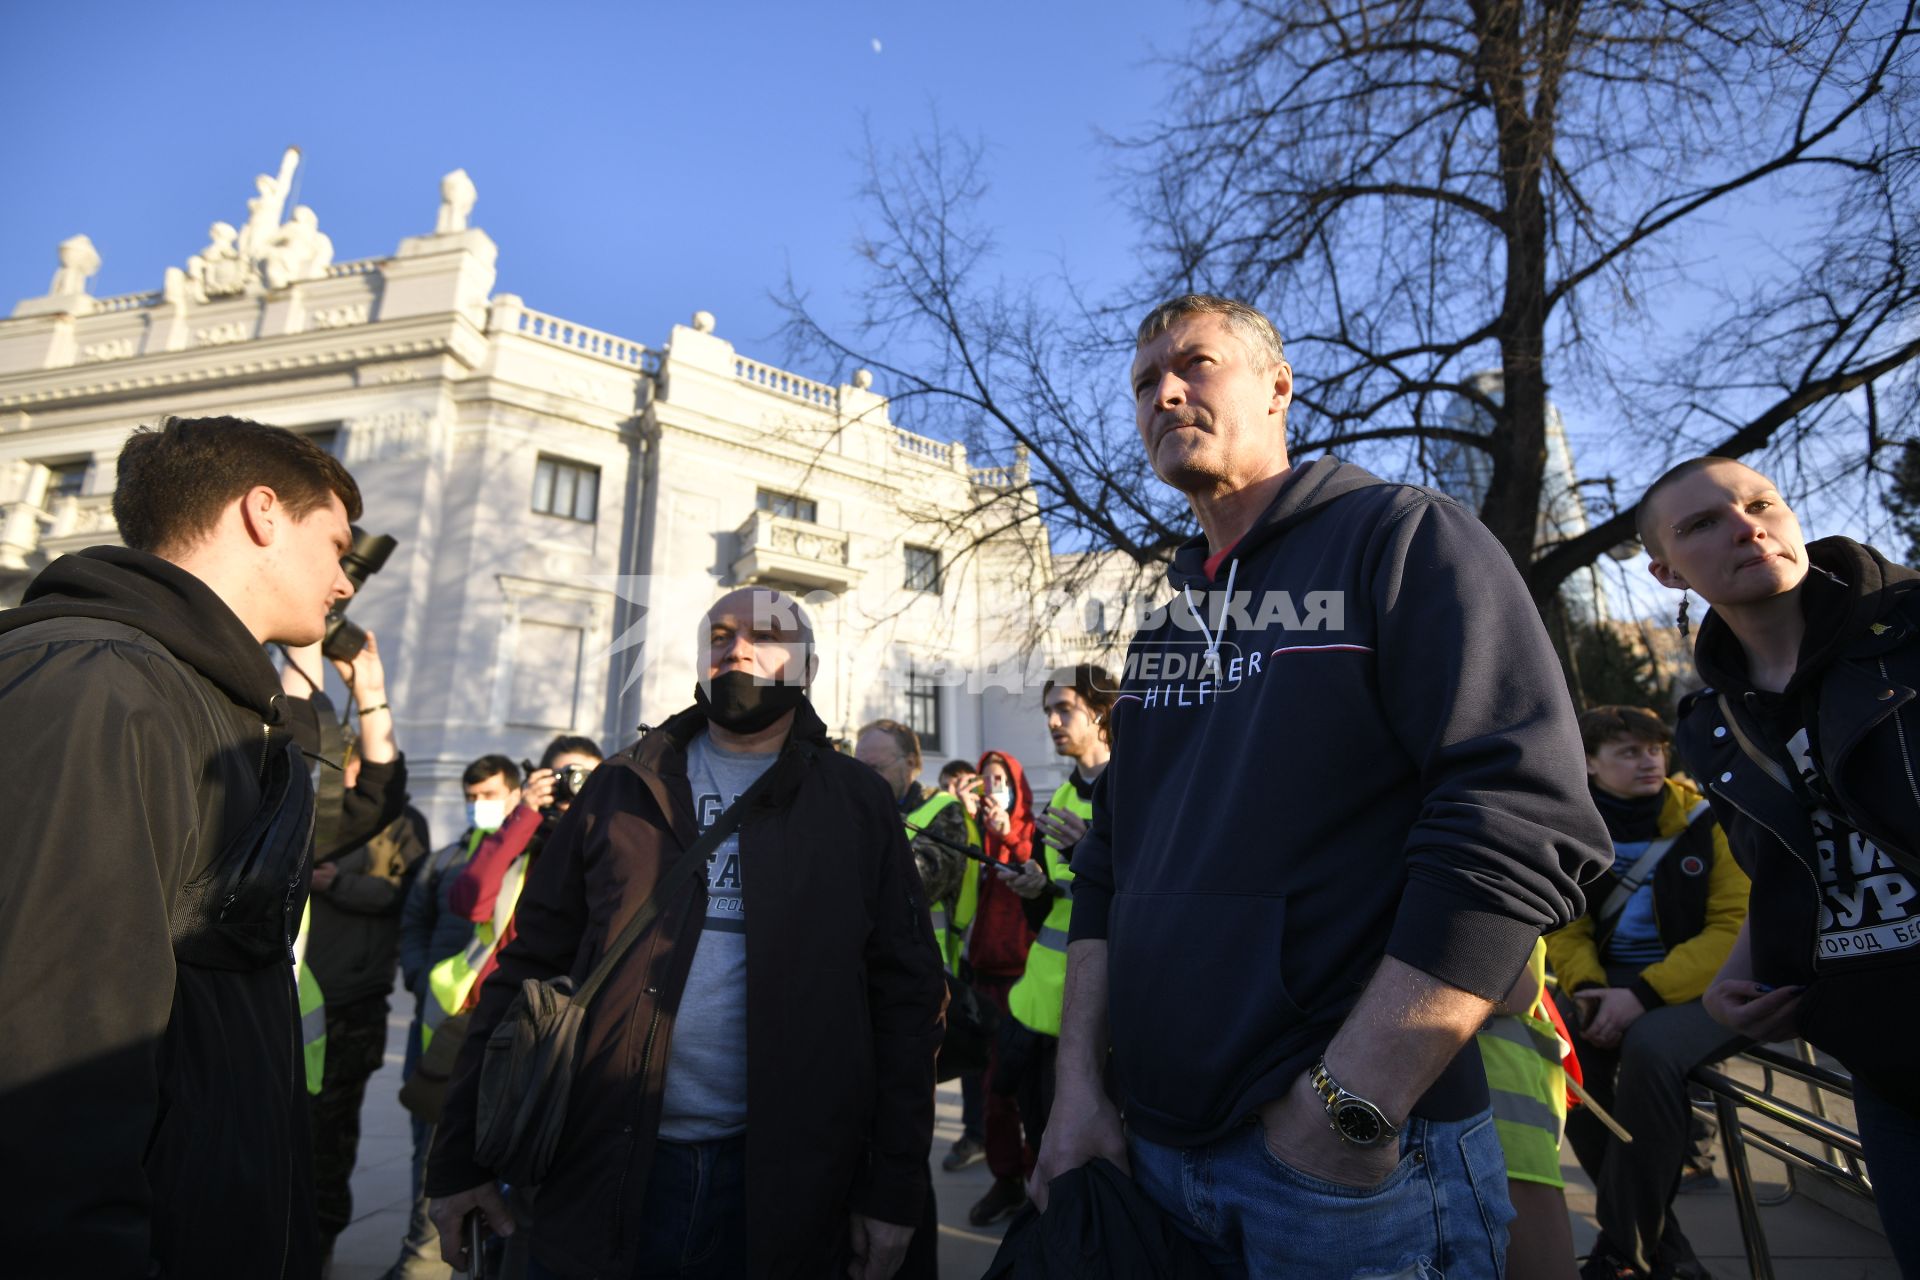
(876, 44)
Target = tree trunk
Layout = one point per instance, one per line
(1525, 137)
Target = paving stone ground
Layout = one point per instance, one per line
(1808, 1241)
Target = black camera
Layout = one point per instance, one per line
(344, 640)
(567, 781)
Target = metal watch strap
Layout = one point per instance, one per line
(1333, 1096)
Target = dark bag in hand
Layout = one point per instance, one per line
(968, 1036)
(527, 1071)
(425, 1091)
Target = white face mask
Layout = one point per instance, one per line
(486, 815)
(1002, 796)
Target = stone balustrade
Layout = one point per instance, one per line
(542, 327)
(358, 267)
(780, 382)
(126, 302)
(1008, 477)
(1012, 476)
(921, 446)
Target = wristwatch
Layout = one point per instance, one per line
(1358, 1122)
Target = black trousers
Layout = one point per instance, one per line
(356, 1046)
(1642, 1083)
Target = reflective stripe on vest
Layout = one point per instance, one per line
(1528, 1088)
(313, 1007)
(451, 981)
(1035, 999)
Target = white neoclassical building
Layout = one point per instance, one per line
(567, 502)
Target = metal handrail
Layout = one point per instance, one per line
(1736, 1135)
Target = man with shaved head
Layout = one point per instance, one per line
(755, 1089)
(1804, 739)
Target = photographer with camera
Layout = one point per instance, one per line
(548, 792)
(372, 775)
(367, 849)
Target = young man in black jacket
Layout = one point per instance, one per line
(1805, 739)
(153, 1109)
(1346, 797)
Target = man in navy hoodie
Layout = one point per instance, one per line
(1347, 794)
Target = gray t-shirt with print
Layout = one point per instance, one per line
(706, 1087)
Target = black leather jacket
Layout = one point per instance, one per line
(1831, 914)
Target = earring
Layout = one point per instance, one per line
(1681, 619)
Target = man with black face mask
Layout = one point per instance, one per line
(756, 1076)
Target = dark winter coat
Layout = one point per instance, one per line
(153, 1112)
(844, 996)
(1858, 669)
(353, 941)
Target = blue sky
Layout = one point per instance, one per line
(635, 162)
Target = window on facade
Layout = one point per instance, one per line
(923, 707)
(923, 569)
(1096, 617)
(570, 490)
(791, 505)
(68, 480)
(328, 438)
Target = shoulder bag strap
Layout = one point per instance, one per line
(1772, 768)
(1616, 903)
(1768, 765)
(669, 884)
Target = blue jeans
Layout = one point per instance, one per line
(1891, 1136)
(693, 1223)
(1443, 1209)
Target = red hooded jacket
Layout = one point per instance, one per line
(998, 941)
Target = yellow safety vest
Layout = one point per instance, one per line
(313, 1006)
(452, 979)
(950, 920)
(1522, 1053)
(1035, 999)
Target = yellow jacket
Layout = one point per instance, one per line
(1698, 927)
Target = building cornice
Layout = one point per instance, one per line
(264, 360)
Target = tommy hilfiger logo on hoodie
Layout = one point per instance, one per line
(1176, 674)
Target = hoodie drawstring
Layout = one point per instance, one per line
(1213, 637)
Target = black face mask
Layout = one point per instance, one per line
(745, 703)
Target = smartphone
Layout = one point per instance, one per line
(476, 1236)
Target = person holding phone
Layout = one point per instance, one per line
(1632, 970)
(996, 956)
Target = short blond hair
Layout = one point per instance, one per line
(1255, 330)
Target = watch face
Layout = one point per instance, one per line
(1358, 1124)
